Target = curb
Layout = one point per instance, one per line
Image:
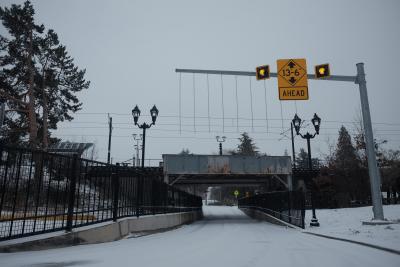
(107, 232)
(277, 221)
(356, 242)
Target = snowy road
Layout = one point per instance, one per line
(226, 237)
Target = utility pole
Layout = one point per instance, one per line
(359, 79)
(109, 138)
(137, 147)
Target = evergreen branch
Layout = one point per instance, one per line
(11, 98)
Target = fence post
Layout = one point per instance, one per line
(173, 200)
(303, 208)
(138, 195)
(289, 206)
(165, 197)
(153, 196)
(71, 192)
(115, 186)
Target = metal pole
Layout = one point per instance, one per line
(374, 175)
(143, 143)
(293, 152)
(314, 220)
(71, 193)
(115, 186)
(138, 150)
(308, 137)
(109, 139)
(342, 78)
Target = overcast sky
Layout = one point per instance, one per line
(130, 50)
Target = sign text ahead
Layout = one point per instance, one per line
(292, 79)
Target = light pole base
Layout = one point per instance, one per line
(314, 222)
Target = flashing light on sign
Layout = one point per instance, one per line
(322, 71)
(262, 72)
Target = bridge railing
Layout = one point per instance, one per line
(43, 192)
(288, 206)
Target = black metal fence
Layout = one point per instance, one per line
(44, 192)
(288, 206)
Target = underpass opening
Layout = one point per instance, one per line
(256, 176)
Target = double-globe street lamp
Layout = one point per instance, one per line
(144, 126)
(220, 140)
(316, 121)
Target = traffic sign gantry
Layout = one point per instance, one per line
(292, 79)
(322, 71)
(262, 72)
(369, 137)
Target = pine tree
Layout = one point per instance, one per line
(17, 85)
(345, 154)
(185, 151)
(36, 66)
(59, 80)
(246, 146)
(349, 176)
(302, 159)
(286, 153)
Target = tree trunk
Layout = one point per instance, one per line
(45, 112)
(38, 177)
(45, 122)
(31, 94)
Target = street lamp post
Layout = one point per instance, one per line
(220, 140)
(144, 126)
(293, 152)
(316, 121)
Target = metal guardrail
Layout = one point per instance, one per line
(288, 206)
(43, 192)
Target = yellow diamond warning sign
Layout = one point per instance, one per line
(292, 79)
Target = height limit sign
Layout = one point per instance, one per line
(292, 79)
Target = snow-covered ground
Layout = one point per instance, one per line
(226, 237)
(347, 223)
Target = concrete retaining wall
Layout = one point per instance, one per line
(105, 232)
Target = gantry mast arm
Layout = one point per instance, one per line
(342, 78)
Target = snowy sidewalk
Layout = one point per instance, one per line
(347, 223)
